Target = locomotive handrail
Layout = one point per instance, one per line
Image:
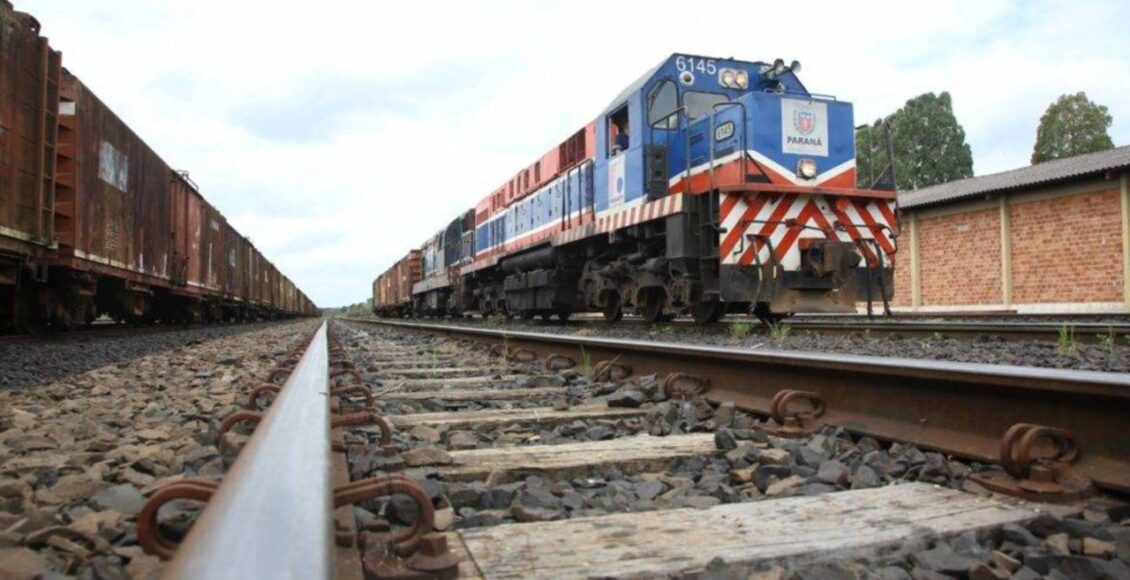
(717, 226)
(270, 518)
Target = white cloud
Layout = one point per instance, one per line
(339, 134)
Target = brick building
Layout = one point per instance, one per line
(1052, 237)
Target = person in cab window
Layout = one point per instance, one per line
(622, 138)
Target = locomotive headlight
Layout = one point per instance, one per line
(742, 79)
(728, 78)
(806, 168)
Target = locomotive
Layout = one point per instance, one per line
(708, 186)
(93, 222)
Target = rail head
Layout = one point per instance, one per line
(270, 518)
(1072, 382)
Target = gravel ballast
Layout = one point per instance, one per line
(78, 455)
(30, 361)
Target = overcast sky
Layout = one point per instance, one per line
(337, 134)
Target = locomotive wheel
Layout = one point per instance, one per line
(708, 311)
(613, 309)
(564, 314)
(529, 315)
(653, 303)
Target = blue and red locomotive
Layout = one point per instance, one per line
(707, 186)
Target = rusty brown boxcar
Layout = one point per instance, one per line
(29, 96)
(115, 252)
(93, 221)
(392, 290)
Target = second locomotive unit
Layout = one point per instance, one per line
(707, 186)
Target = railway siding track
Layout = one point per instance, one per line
(554, 519)
(958, 408)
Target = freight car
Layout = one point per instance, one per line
(392, 291)
(707, 186)
(93, 222)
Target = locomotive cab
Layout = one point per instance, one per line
(764, 172)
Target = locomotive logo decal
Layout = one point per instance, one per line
(804, 121)
(616, 185)
(804, 127)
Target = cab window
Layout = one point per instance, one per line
(662, 102)
(700, 104)
(618, 132)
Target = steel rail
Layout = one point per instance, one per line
(959, 408)
(270, 518)
(1081, 331)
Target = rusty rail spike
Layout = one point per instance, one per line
(283, 372)
(422, 553)
(149, 532)
(684, 385)
(364, 419)
(356, 389)
(559, 362)
(237, 417)
(795, 423)
(259, 392)
(388, 485)
(610, 370)
(1046, 478)
(342, 363)
(346, 372)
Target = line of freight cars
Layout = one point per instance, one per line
(93, 222)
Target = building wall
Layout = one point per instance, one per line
(960, 258)
(1067, 249)
(1055, 248)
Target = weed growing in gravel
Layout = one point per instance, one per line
(779, 332)
(496, 320)
(586, 365)
(666, 330)
(1107, 341)
(740, 329)
(1067, 342)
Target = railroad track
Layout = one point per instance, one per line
(481, 453)
(957, 408)
(1114, 331)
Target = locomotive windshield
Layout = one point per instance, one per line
(700, 104)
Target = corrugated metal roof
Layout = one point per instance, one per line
(1046, 172)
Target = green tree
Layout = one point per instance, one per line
(928, 142)
(1072, 125)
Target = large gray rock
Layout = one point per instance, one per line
(626, 398)
(124, 499)
(944, 560)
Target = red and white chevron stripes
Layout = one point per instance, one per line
(755, 222)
